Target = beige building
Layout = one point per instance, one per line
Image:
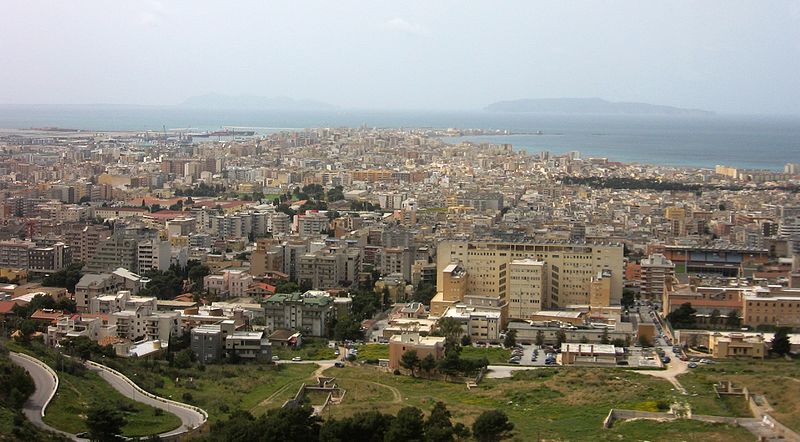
(566, 274)
(736, 345)
(772, 305)
(525, 288)
(424, 346)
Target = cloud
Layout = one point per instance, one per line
(400, 25)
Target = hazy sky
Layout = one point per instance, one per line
(728, 56)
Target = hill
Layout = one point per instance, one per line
(588, 106)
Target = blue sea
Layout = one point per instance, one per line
(701, 141)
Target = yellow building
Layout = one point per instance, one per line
(567, 271)
(600, 290)
(453, 281)
(525, 288)
(772, 305)
(736, 345)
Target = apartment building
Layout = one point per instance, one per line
(312, 223)
(84, 239)
(566, 274)
(330, 267)
(305, 312)
(49, 259)
(113, 252)
(15, 253)
(153, 255)
(249, 345)
(93, 285)
(228, 283)
(654, 271)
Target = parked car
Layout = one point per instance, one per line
(297, 359)
(339, 364)
(692, 365)
(276, 358)
(513, 361)
(665, 359)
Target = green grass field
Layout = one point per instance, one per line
(311, 350)
(222, 390)
(373, 351)
(550, 404)
(76, 393)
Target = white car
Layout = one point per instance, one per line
(297, 359)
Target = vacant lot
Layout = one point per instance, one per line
(221, 389)
(373, 351)
(777, 379)
(495, 355)
(550, 404)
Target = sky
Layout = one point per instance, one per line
(729, 56)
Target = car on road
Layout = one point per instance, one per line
(276, 358)
(297, 359)
(336, 353)
(339, 364)
(665, 359)
(692, 365)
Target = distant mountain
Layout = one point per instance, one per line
(218, 101)
(588, 106)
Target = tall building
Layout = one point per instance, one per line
(655, 270)
(83, 239)
(525, 288)
(566, 274)
(113, 252)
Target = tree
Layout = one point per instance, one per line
(66, 277)
(561, 337)
(683, 316)
(406, 427)
(539, 338)
(604, 339)
(627, 300)
(347, 329)
(105, 423)
(491, 426)
(733, 320)
(438, 427)
(410, 361)
(370, 426)
(428, 363)
(184, 358)
(450, 328)
(510, 339)
(714, 318)
(780, 342)
(424, 292)
(335, 194)
(466, 341)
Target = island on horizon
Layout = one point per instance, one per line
(588, 106)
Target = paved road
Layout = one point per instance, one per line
(189, 418)
(45, 386)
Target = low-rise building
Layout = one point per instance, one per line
(249, 345)
(424, 346)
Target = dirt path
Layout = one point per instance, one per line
(674, 368)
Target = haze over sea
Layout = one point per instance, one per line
(763, 142)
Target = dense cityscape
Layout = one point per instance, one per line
(389, 284)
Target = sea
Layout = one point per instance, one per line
(753, 142)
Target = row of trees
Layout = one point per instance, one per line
(410, 424)
(66, 277)
(685, 316)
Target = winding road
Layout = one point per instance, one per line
(46, 382)
(190, 416)
(46, 385)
